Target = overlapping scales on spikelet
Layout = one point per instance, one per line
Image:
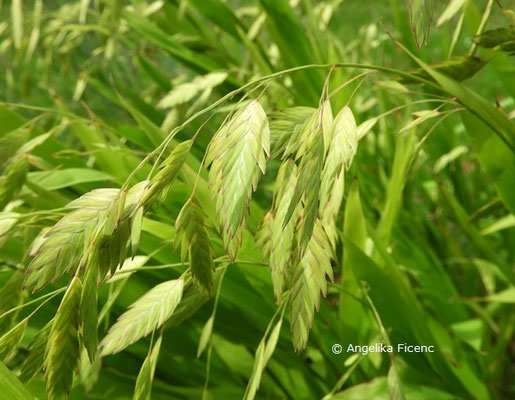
(195, 244)
(308, 282)
(238, 155)
(343, 147)
(286, 127)
(145, 315)
(62, 350)
(61, 248)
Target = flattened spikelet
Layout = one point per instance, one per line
(62, 350)
(310, 150)
(168, 171)
(34, 360)
(309, 280)
(237, 155)
(10, 297)
(10, 340)
(281, 240)
(263, 236)
(143, 389)
(194, 239)
(286, 127)
(145, 315)
(343, 147)
(99, 222)
(89, 310)
(13, 179)
(62, 247)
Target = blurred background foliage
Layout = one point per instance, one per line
(105, 80)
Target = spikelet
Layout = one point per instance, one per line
(237, 155)
(195, 244)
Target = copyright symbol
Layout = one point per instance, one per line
(336, 349)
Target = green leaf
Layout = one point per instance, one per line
(12, 388)
(62, 350)
(377, 389)
(185, 92)
(145, 315)
(502, 223)
(351, 310)
(296, 47)
(458, 68)
(237, 155)
(470, 331)
(154, 133)
(497, 159)
(190, 58)
(62, 178)
(220, 13)
(506, 296)
(476, 104)
(33, 143)
(450, 11)
(11, 142)
(17, 22)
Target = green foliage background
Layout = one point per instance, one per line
(423, 244)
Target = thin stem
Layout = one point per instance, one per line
(210, 346)
(261, 80)
(456, 35)
(482, 25)
(356, 89)
(344, 377)
(348, 82)
(51, 295)
(280, 309)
